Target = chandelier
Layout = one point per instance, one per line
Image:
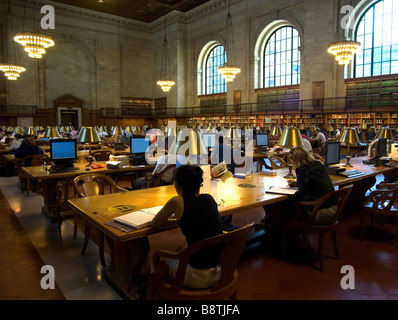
(34, 43)
(11, 70)
(344, 50)
(165, 83)
(229, 71)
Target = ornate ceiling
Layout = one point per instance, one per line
(140, 10)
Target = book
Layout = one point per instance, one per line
(268, 173)
(243, 175)
(288, 191)
(138, 219)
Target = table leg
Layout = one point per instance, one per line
(127, 259)
(51, 208)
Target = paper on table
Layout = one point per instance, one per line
(140, 218)
(288, 191)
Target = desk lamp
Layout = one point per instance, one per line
(192, 142)
(18, 129)
(89, 135)
(117, 131)
(10, 129)
(384, 132)
(30, 131)
(276, 131)
(330, 130)
(291, 137)
(349, 136)
(52, 132)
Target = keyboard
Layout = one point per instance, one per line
(351, 173)
(63, 170)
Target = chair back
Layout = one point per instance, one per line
(101, 155)
(382, 198)
(93, 184)
(233, 245)
(341, 195)
(35, 160)
(277, 162)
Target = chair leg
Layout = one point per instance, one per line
(87, 229)
(362, 219)
(27, 186)
(321, 245)
(101, 248)
(75, 224)
(335, 247)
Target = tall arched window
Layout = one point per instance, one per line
(214, 81)
(377, 32)
(282, 58)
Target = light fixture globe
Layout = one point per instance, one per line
(344, 50)
(35, 44)
(12, 71)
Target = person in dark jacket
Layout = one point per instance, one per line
(198, 218)
(27, 148)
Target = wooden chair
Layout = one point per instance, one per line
(162, 287)
(31, 160)
(308, 226)
(382, 203)
(158, 182)
(93, 184)
(101, 155)
(277, 162)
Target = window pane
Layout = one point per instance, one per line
(377, 32)
(214, 82)
(282, 58)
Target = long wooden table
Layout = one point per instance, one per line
(50, 181)
(129, 250)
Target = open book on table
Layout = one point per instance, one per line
(138, 219)
(288, 191)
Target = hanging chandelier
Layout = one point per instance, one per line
(165, 83)
(344, 50)
(35, 44)
(229, 70)
(11, 70)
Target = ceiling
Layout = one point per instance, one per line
(140, 10)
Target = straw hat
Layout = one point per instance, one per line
(221, 171)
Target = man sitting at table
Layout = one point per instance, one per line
(319, 140)
(27, 148)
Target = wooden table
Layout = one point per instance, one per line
(50, 180)
(130, 250)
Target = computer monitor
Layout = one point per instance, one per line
(381, 147)
(63, 151)
(138, 145)
(308, 133)
(262, 140)
(332, 153)
(209, 140)
(119, 146)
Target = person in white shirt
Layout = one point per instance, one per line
(17, 142)
(161, 165)
(337, 134)
(307, 144)
(320, 139)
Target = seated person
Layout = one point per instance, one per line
(313, 182)
(27, 148)
(198, 217)
(16, 143)
(7, 139)
(319, 139)
(161, 165)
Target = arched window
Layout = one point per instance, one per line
(214, 81)
(377, 32)
(282, 58)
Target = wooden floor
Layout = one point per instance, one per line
(262, 274)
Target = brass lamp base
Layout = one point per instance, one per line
(290, 175)
(348, 162)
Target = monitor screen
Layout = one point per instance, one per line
(262, 140)
(308, 133)
(138, 145)
(119, 146)
(209, 140)
(332, 154)
(63, 149)
(382, 147)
